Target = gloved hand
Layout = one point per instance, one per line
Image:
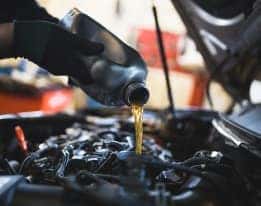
(54, 48)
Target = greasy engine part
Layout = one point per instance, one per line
(94, 161)
(239, 136)
(86, 148)
(179, 131)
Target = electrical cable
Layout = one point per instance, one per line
(29, 159)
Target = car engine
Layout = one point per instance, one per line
(89, 158)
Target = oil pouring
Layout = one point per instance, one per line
(137, 112)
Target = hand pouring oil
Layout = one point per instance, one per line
(137, 112)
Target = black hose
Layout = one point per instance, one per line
(40, 195)
(27, 161)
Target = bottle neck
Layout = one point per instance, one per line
(136, 94)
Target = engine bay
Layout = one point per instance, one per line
(90, 157)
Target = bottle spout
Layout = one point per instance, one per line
(136, 93)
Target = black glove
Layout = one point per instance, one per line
(11, 10)
(54, 48)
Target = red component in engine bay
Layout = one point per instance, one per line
(21, 139)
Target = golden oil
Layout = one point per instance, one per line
(137, 112)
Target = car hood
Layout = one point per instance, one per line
(215, 26)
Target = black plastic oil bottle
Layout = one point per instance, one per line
(117, 63)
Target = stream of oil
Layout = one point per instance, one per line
(137, 112)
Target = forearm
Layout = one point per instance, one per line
(6, 40)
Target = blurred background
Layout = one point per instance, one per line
(29, 88)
